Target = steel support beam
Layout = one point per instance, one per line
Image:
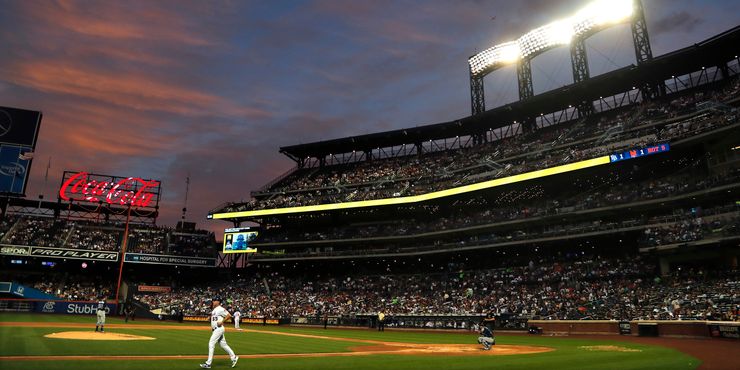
(524, 77)
(643, 51)
(477, 95)
(579, 60)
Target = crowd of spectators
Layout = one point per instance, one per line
(104, 236)
(65, 285)
(192, 244)
(516, 205)
(644, 125)
(148, 240)
(95, 238)
(692, 229)
(76, 289)
(586, 287)
(45, 232)
(715, 222)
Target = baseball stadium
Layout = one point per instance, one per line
(595, 225)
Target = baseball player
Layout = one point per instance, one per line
(486, 338)
(101, 315)
(237, 318)
(218, 316)
(381, 321)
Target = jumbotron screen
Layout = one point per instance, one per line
(237, 240)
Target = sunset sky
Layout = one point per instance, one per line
(163, 89)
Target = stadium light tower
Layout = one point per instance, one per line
(594, 17)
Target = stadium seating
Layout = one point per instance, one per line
(104, 236)
(642, 125)
(578, 287)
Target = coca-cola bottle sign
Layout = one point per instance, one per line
(133, 191)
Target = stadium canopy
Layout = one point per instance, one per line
(714, 51)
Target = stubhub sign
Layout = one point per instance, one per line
(72, 308)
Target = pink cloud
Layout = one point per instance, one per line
(130, 90)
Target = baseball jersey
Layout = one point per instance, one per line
(486, 332)
(237, 315)
(101, 305)
(219, 311)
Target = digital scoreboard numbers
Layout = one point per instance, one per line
(238, 240)
(637, 153)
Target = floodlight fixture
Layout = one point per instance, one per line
(505, 53)
(594, 16)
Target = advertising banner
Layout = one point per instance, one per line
(72, 307)
(170, 260)
(724, 331)
(19, 130)
(78, 254)
(49, 252)
(243, 320)
(625, 328)
(115, 190)
(15, 250)
(154, 289)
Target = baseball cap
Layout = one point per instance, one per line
(216, 298)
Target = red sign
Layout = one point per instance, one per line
(127, 191)
(154, 288)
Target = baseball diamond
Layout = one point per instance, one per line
(177, 346)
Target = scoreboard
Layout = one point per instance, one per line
(637, 153)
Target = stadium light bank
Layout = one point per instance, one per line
(594, 16)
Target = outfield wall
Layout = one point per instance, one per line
(667, 328)
(54, 306)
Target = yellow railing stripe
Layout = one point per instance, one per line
(421, 197)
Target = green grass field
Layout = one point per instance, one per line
(30, 341)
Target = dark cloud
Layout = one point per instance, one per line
(682, 21)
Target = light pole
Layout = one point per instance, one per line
(124, 243)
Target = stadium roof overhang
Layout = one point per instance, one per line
(714, 51)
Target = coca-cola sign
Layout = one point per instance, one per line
(122, 191)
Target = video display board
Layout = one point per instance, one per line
(238, 239)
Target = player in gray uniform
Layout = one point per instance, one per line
(218, 316)
(486, 338)
(101, 315)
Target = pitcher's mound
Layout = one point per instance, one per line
(91, 335)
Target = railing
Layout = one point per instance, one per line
(274, 181)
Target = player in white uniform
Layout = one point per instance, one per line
(237, 317)
(101, 315)
(218, 316)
